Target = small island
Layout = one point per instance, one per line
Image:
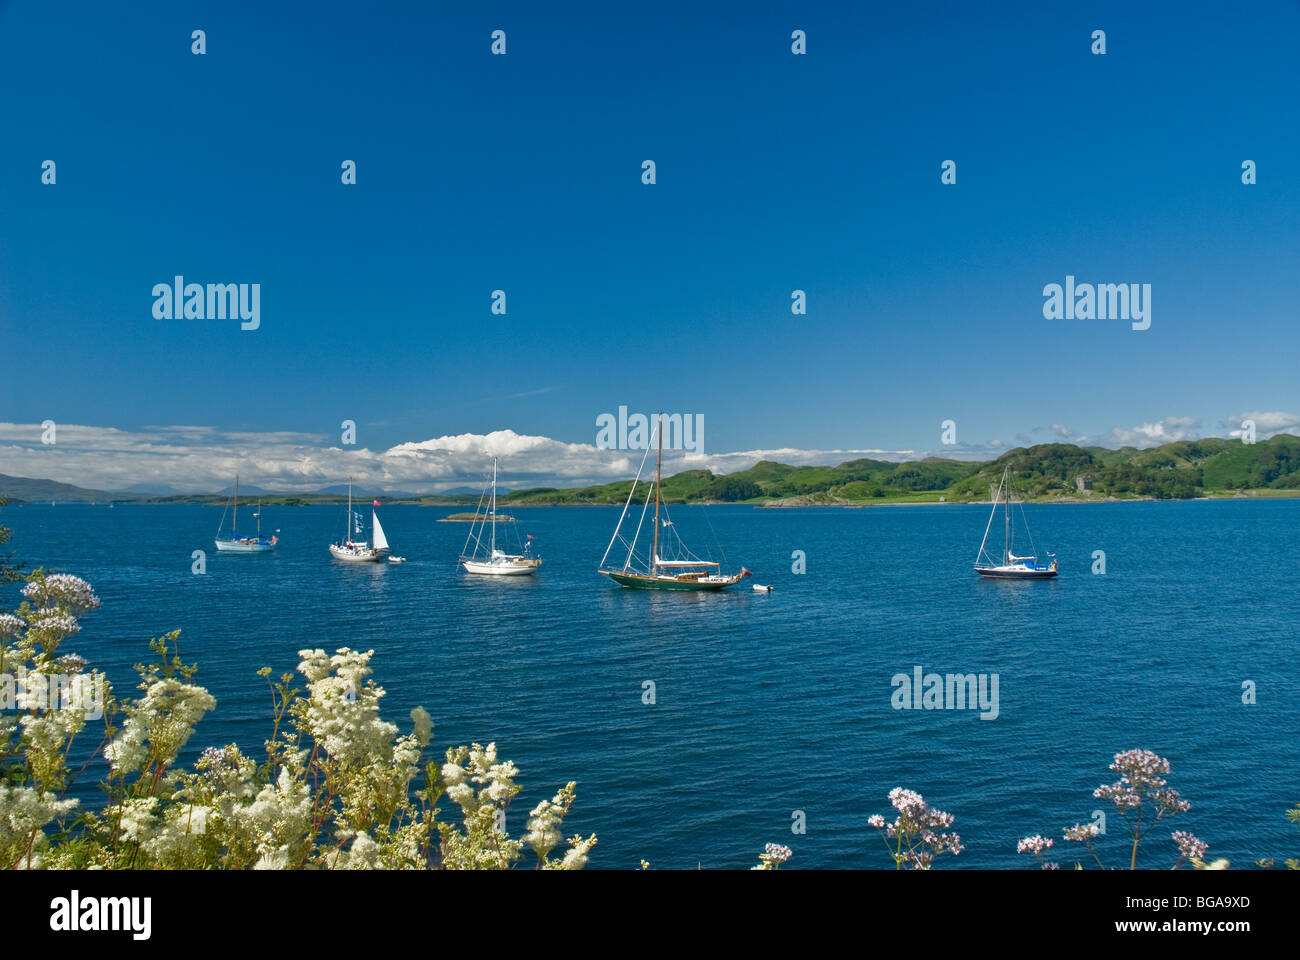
(475, 518)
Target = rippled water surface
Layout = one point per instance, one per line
(765, 704)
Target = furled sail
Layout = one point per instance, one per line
(683, 563)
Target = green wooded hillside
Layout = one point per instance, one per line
(1174, 471)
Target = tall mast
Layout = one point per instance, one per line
(1006, 537)
(494, 508)
(234, 530)
(349, 509)
(659, 475)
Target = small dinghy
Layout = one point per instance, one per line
(762, 588)
(396, 559)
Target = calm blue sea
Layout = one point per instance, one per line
(766, 704)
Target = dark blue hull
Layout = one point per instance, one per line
(1016, 574)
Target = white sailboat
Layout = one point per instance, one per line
(361, 550)
(681, 570)
(237, 544)
(1009, 566)
(493, 561)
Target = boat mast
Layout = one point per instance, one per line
(234, 529)
(659, 476)
(494, 509)
(1006, 538)
(349, 529)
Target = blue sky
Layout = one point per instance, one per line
(775, 172)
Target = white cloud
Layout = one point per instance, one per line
(203, 459)
(1167, 430)
(1266, 424)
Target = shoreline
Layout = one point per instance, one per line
(786, 503)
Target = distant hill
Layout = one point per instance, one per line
(1196, 468)
(24, 490)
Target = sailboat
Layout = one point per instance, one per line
(1009, 566)
(361, 551)
(681, 571)
(238, 544)
(495, 562)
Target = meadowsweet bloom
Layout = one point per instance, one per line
(10, 625)
(158, 725)
(544, 826)
(342, 710)
(364, 854)
(136, 819)
(24, 813)
(177, 841)
(576, 856)
(423, 726)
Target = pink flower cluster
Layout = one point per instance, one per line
(62, 589)
(778, 853)
(1140, 780)
(1037, 845)
(1188, 846)
(1034, 844)
(914, 832)
(1082, 832)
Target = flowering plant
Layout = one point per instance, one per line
(913, 838)
(338, 788)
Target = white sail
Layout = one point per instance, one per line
(380, 541)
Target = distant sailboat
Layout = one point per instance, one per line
(683, 570)
(238, 544)
(1009, 566)
(361, 551)
(492, 561)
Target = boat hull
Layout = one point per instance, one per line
(994, 573)
(638, 581)
(238, 546)
(501, 569)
